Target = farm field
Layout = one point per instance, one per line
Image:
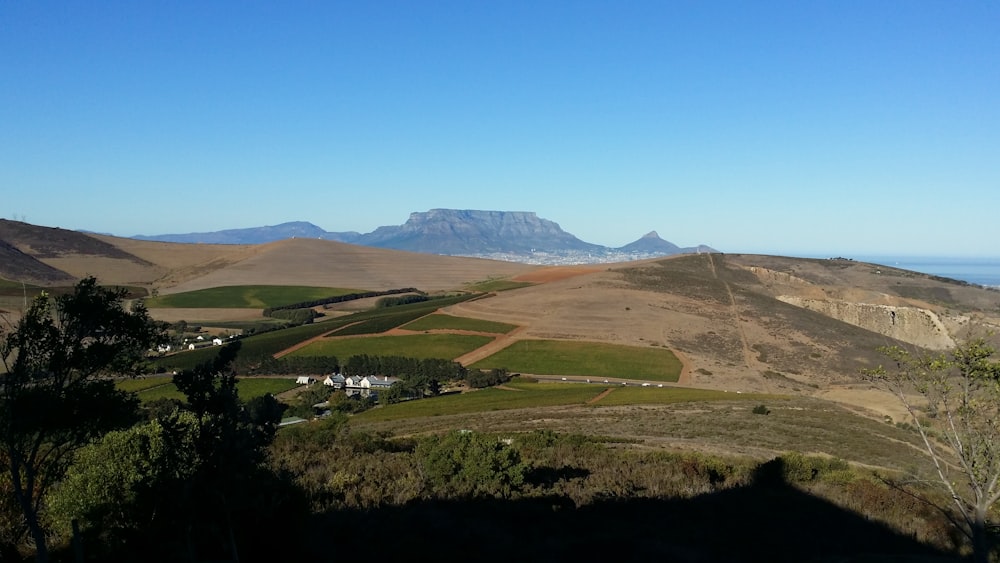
(516, 395)
(449, 322)
(487, 286)
(710, 422)
(246, 296)
(142, 383)
(668, 395)
(555, 357)
(421, 346)
(525, 393)
(154, 388)
(270, 343)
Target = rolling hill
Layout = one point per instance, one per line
(738, 322)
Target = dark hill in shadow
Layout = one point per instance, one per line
(766, 521)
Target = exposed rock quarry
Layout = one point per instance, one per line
(914, 325)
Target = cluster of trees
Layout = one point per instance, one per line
(386, 302)
(420, 376)
(296, 365)
(424, 375)
(479, 378)
(268, 312)
(79, 460)
(295, 317)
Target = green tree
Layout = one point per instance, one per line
(959, 396)
(54, 398)
(464, 463)
(232, 438)
(394, 394)
(184, 484)
(122, 487)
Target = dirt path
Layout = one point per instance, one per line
(499, 343)
(684, 378)
(305, 343)
(601, 395)
(749, 358)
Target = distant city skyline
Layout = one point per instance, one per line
(778, 127)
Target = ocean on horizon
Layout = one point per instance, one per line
(980, 271)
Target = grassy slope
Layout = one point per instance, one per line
(246, 296)
(445, 346)
(553, 357)
(449, 322)
(247, 388)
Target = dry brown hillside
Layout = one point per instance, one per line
(739, 322)
(753, 323)
(332, 264)
(46, 255)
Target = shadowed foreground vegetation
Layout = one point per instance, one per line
(563, 497)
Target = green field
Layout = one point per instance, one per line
(527, 395)
(449, 322)
(251, 387)
(363, 322)
(666, 395)
(421, 346)
(554, 357)
(496, 285)
(143, 383)
(166, 391)
(246, 388)
(246, 296)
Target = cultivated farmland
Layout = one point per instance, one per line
(449, 322)
(515, 395)
(155, 388)
(553, 357)
(421, 346)
(246, 296)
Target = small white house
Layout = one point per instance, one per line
(191, 346)
(163, 348)
(335, 380)
(217, 341)
(303, 380)
(376, 382)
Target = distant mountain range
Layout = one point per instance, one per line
(509, 235)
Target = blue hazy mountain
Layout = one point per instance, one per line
(444, 231)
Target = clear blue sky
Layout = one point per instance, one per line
(799, 128)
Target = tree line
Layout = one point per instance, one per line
(338, 299)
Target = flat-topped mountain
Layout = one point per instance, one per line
(510, 235)
(452, 231)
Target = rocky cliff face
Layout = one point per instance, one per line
(914, 325)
